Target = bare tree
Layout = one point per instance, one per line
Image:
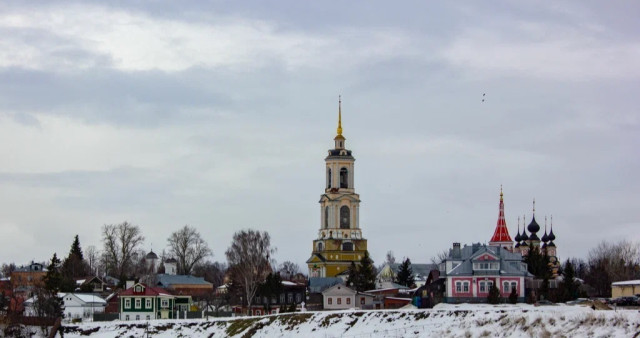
(288, 269)
(213, 272)
(188, 247)
(92, 257)
(249, 261)
(121, 241)
(439, 257)
(612, 262)
(390, 259)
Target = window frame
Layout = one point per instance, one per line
(127, 303)
(138, 303)
(148, 303)
(329, 301)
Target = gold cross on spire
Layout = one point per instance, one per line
(339, 114)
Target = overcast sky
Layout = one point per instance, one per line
(219, 115)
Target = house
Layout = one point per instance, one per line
(76, 305)
(388, 273)
(472, 270)
(24, 278)
(91, 284)
(340, 297)
(185, 285)
(317, 285)
(292, 296)
(625, 288)
(142, 302)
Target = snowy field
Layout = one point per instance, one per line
(464, 320)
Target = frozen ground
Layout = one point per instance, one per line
(464, 320)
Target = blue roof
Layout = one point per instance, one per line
(165, 280)
(319, 284)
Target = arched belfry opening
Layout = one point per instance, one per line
(326, 217)
(328, 178)
(345, 216)
(344, 178)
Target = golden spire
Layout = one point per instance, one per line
(339, 115)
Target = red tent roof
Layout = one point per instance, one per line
(501, 234)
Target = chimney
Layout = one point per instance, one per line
(129, 284)
(456, 254)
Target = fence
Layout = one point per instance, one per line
(105, 317)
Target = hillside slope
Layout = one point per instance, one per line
(444, 321)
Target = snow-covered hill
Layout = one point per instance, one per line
(445, 321)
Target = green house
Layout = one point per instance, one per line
(142, 302)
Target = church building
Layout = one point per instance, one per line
(339, 241)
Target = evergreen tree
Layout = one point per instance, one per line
(362, 277)
(272, 287)
(513, 296)
(366, 274)
(48, 303)
(569, 286)
(53, 278)
(405, 274)
(73, 267)
(353, 279)
(537, 263)
(494, 295)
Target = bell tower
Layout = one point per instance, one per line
(339, 240)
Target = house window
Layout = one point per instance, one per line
(330, 301)
(137, 317)
(458, 286)
(126, 317)
(282, 296)
(348, 301)
(505, 287)
(164, 303)
(339, 300)
(514, 286)
(362, 300)
(138, 303)
(290, 298)
(148, 317)
(298, 298)
(148, 303)
(483, 287)
(465, 287)
(127, 303)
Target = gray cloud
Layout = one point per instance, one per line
(219, 116)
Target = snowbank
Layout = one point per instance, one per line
(462, 320)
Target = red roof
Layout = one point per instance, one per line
(148, 291)
(501, 234)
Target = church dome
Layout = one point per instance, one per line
(151, 255)
(533, 227)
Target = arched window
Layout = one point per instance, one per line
(344, 178)
(347, 246)
(345, 216)
(326, 217)
(319, 246)
(328, 178)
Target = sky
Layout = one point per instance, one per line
(218, 114)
